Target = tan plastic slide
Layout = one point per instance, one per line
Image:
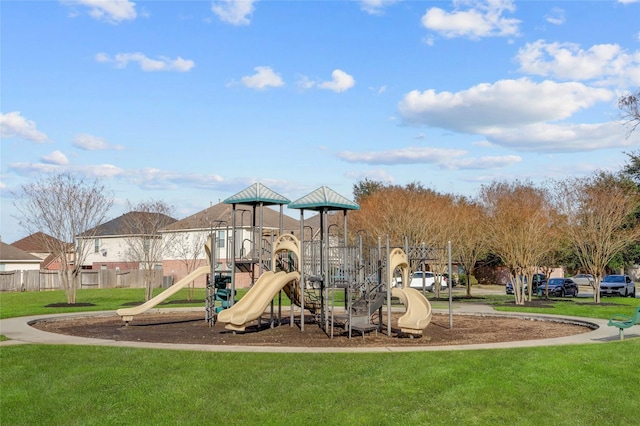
(127, 314)
(254, 303)
(418, 314)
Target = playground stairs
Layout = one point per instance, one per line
(362, 309)
(368, 304)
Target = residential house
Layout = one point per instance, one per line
(39, 244)
(190, 234)
(110, 245)
(14, 259)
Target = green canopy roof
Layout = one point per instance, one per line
(324, 198)
(255, 194)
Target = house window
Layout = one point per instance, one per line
(96, 245)
(221, 239)
(147, 245)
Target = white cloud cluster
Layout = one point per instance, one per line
(556, 16)
(519, 114)
(56, 158)
(266, 77)
(602, 63)
(263, 78)
(14, 125)
(410, 155)
(473, 19)
(145, 178)
(569, 137)
(234, 12)
(121, 60)
(92, 143)
(482, 163)
(452, 159)
(376, 7)
(112, 11)
(340, 82)
(506, 103)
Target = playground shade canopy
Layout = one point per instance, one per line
(323, 198)
(257, 193)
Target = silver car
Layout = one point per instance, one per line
(584, 279)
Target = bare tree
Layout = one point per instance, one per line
(64, 206)
(420, 215)
(144, 242)
(630, 112)
(469, 237)
(600, 219)
(519, 219)
(188, 249)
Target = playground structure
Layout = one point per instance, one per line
(313, 272)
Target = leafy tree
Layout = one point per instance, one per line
(600, 219)
(64, 206)
(145, 244)
(366, 187)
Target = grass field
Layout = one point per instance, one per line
(85, 385)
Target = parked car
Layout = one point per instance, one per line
(621, 285)
(538, 280)
(584, 279)
(429, 281)
(559, 287)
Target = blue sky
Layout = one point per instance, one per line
(192, 101)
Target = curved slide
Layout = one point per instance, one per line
(418, 314)
(127, 314)
(254, 303)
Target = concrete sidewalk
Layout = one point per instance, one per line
(20, 332)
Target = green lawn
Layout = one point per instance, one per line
(35, 303)
(83, 385)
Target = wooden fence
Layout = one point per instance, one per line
(50, 280)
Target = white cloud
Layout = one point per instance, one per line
(305, 82)
(340, 82)
(121, 60)
(56, 157)
(14, 125)
(473, 19)
(628, 1)
(234, 12)
(604, 63)
(145, 178)
(411, 155)
(112, 11)
(376, 7)
(92, 143)
(263, 78)
(377, 175)
(556, 16)
(547, 137)
(451, 159)
(482, 163)
(504, 104)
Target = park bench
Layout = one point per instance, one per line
(624, 321)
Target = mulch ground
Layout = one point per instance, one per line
(190, 327)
